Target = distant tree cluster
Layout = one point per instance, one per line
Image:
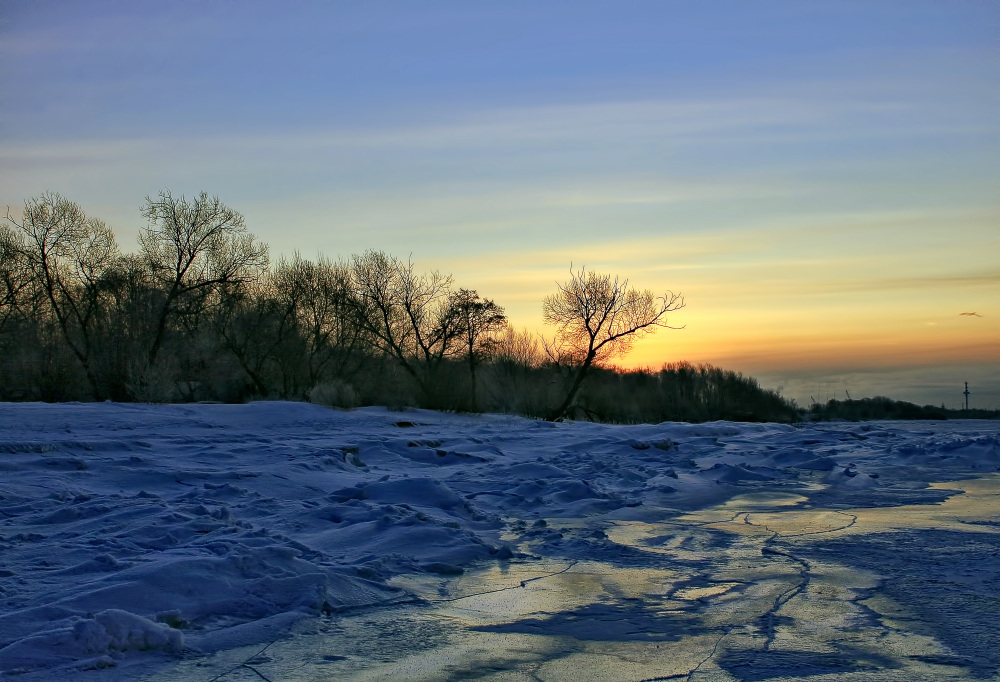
(199, 313)
(681, 392)
(880, 407)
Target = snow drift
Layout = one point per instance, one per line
(140, 530)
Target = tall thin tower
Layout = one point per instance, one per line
(966, 396)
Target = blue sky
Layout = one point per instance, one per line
(818, 178)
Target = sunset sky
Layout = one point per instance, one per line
(821, 180)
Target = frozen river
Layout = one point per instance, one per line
(754, 589)
(281, 541)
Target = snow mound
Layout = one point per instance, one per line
(118, 630)
(90, 642)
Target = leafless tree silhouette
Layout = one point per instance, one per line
(478, 320)
(598, 317)
(194, 248)
(69, 255)
(406, 315)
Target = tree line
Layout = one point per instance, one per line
(881, 407)
(200, 313)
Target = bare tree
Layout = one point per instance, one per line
(405, 315)
(194, 248)
(19, 324)
(477, 320)
(518, 348)
(514, 365)
(254, 326)
(294, 328)
(132, 300)
(325, 319)
(598, 318)
(15, 277)
(69, 255)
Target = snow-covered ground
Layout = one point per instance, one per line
(175, 541)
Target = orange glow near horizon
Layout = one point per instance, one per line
(786, 298)
(802, 352)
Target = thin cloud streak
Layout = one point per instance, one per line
(679, 120)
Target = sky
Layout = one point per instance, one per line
(818, 179)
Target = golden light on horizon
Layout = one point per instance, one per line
(785, 298)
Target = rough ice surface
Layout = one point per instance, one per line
(134, 538)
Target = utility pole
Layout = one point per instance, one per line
(966, 396)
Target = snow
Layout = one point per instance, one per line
(136, 535)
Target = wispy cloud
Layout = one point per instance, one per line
(952, 280)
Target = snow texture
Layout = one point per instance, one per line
(130, 533)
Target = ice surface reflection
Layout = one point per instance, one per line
(760, 587)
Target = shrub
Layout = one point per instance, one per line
(334, 393)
